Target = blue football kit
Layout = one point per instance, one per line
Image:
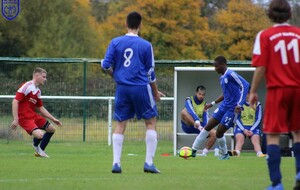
(235, 89)
(132, 61)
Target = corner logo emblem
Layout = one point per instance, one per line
(10, 9)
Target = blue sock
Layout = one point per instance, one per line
(296, 150)
(36, 141)
(274, 158)
(46, 138)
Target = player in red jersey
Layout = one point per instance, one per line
(276, 58)
(26, 101)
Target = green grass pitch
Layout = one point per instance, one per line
(79, 165)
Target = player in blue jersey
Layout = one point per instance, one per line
(235, 89)
(194, 117)
(129, 60)
(248, 125)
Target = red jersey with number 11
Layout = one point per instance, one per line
(277, 49)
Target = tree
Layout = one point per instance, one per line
(237, 27)
(174, 27)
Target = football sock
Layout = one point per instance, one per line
(200, 139)
(258, 153)
(273, 160)
(45, 140)
(238, 152)
(296, 150)
(117, 147)
(205, 151)
(36, 141)
(222, 145)
(151, 144)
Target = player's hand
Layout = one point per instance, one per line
(158, 95)
(197, 124)
(238, 109)
(57, 122)
(207, 106)
(253, 98)
(14, 125)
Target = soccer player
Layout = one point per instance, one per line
(26, 101)
(276, 58)
(248, 125)
(129, 60)
(235, 89)
(194, 117)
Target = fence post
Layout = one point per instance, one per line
(84, 102)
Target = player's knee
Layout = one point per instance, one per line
(51, 129)
(212, 133)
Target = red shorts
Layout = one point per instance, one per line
(33, 123)
(282, 110)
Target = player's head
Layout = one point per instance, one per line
(134, 20)
(279, 11)
(220, 64)
(200, 92)
(39, 76)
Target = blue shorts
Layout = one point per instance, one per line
(134, 100)
(189, 129)
(225, 116)
(237, 130)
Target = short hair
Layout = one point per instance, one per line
(134, 20)
(279, 11)
(200, 87)
(221, 60)
(39, 70)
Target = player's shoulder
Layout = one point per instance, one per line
(27, 87)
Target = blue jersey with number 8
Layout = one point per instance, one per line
(131, 59)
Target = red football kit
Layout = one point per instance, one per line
(29, 97)
(277, 49)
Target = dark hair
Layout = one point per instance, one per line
(134, 20)
(200, 87)
(279, 11)
(220, 59)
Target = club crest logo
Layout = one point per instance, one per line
(10, 9)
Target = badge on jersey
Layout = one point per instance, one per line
(10, 9)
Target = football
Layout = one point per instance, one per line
(185, 152)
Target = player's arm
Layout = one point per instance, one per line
(190, 109)
(44, 112)
(258, 117)
(149, 65)
(258, 75)
(211, 104)
(107, 62)
(15, 108)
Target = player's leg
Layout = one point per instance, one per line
(37, 137)
(295, 129)
(255, 139)
(274, 158)
(123, 111)
(50, 130)
(145, 107)
(212, 122)
(210, 141)
(296, 149)
(239, 142)
(151, 145)
(186, 117)
(222, 142)
(117, 140)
